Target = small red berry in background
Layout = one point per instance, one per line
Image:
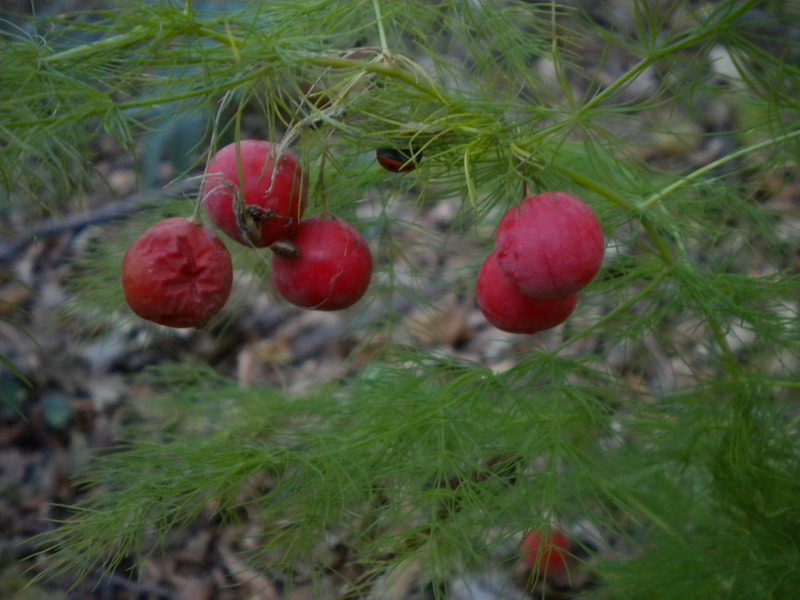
(274, 196)
(333, 268)
(547, 555)
(396, 160)
(177, 274)
(550, 245)
(505, 307)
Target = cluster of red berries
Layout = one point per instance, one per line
(548, 248)
(179, 273)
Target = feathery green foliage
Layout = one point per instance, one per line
(426, 457)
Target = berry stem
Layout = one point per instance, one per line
(321, 186)
(212, 144)
(326, 114)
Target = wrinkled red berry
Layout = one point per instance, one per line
(505, 307)
(177, 274)
(333, 269)
(550, 245)
(548, 554)
(274, 198)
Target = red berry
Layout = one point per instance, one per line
(505, 307)
(396, 160)
(550, 245)
(275, 198)
(177, 274)
(548, 554)
(333, 269)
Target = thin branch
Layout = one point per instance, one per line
(663, 193)
(102, 214)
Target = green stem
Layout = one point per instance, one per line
(141, 33)
(659, 242)
(651, 230)
(140, 103)
(226, 39)
(185, 25)
(380, 68)
(732, 365)
(592, 184)
(136, 35)
(381, 31)
(660, 195)
(693, 38)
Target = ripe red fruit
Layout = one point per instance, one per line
(333, 269)
(396, 160)
(547, 555)
(505, 307)
(177, 274)
(275, 196)
(550, 245)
